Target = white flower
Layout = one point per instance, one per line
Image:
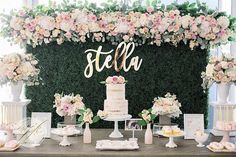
(102, 114)
(16, 23)
(93, 27)
(210, 70)
(47, 22)
(185, 21)
(122, 27)
(223, 21)
(224, 64)
(55, 32)
(67, 25)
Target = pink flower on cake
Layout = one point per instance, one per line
(121, 80)
(115, 79)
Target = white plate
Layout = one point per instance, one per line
(61, 132)
(218, 151)
(116, 145)
(4, 149)
(177, 135)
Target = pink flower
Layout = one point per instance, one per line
(115, 79)
(68, 35)
(121, 80)
(126, 38)
(93, 18)
(22, 13)
(66, 107)
(150, 9)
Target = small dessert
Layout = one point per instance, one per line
(171, 130)
(167, 130)
(2, 143)
(175, 130)
(226, 125)
(229, 146)
(11, 144)
(216, 146)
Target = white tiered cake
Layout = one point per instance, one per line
(115, 104)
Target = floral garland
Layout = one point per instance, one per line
(192, 24)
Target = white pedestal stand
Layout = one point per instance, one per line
(12, 111)
(116, 133)
(61, 132)
(226, 135)
(171, 143)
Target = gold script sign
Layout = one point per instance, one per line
(123, 51)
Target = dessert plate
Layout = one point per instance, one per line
(222, 150)
(171, 143)
(4, 149)
(116, 145)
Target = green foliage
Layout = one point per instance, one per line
(164, 69)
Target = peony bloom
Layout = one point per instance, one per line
(185, 21)
(47, 22)
(122, 27)
(223, 21)
(16, 23)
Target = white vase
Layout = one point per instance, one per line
(87, 134)
(148, 135)
(223, 92)
(16, 89)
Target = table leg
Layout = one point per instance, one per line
(116, 133)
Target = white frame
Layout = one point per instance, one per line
(44, 116)
(134, 120)
(192, 123)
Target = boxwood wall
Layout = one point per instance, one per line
(164, 69)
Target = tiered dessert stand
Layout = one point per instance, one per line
(116, 133)
(218, 115)
(13, 111)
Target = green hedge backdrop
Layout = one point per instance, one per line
(164, 69)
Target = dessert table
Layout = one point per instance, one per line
(50, 148)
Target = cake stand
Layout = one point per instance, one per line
(226, 137)
(116, 133)
(64, 134)
(171, 143)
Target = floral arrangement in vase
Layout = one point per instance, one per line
(188, 23)
(219, 70)
(16, 67)
(168, 106)
(88, 117)
(147, 118)
(114, 80)
(68, 105)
